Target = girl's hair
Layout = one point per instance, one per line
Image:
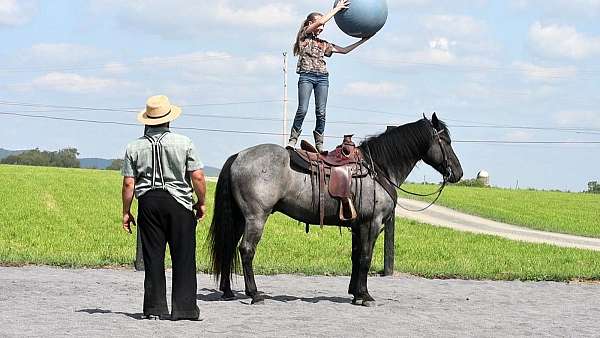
(311, 17)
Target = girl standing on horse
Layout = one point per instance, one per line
(312, 68)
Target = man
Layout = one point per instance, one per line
(162, 168)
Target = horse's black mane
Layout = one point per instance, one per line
(392, 149)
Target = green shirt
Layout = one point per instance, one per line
(177, 158)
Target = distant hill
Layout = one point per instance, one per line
(211, 171)
(94, 163)
(5, 153)
(101, 163)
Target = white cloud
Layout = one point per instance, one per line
(546, 74)
(269, 15)
(75, 83)
(15, 13)
(518, 136)
(374, 89)
(116, 68)
(578, 118)
(454, 25)
(562, 41)
(184, 18)
(589, 8)
(63, 53)
(217, 64)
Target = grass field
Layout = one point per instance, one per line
(570, 213)
(71, 217)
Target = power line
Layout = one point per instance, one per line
(473, 125)
(276, 134)
(457, 67)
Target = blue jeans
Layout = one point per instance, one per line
(306, 84)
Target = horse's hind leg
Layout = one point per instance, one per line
(252, 235)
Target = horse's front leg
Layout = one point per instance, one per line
(355, 263)
(252, 235)
(368, 237)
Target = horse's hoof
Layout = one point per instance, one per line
(228, 296)
(258, 301)
(368, 303)
(357, 301)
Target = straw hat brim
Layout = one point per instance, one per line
(144, 119)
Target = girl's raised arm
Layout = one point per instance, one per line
(342, 4)
(348, 49)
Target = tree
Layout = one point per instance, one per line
(63, 158)
(593, 187)
(115, 165)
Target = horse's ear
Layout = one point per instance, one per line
(425, 117)
(435, 121)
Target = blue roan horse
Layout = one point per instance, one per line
(261, 180)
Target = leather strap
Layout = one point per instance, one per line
(321, 193)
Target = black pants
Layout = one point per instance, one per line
(162, 220)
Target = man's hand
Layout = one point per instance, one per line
(200, 211)
(128, 219)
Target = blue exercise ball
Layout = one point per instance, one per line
(363, 18)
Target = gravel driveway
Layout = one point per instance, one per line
(44, 301)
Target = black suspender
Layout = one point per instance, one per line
(157, 167)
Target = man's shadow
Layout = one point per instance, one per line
(137, 316)
(212, 295)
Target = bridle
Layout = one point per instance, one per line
(444, 164)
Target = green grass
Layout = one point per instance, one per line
(71, 218)
(570, 213)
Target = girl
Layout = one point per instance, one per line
(313, 70)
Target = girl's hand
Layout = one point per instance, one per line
(342, 4)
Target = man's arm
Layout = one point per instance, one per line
(199, 184)
(127, 196)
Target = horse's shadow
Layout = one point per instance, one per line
(212, 295)
(137, 316)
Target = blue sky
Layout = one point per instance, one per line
(477, 63)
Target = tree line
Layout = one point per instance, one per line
(63, 158)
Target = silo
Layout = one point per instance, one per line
(483, 177)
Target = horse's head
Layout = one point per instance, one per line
(440, 154)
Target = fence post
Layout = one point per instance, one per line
(139, 257)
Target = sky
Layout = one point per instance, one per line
(493, 70)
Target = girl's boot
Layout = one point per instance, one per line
(293, 138)
(318, 141)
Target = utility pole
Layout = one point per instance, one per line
(285, 98)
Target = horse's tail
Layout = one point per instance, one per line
(227, 225)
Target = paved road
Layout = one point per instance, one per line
(441, 216)
(43, 301)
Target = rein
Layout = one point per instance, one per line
(439, 191)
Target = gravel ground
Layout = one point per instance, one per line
(44, 301)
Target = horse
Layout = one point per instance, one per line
(261, 180)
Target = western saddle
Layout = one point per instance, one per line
(336, 169)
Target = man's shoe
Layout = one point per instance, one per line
(156, 317)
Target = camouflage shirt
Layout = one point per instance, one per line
(311, 58)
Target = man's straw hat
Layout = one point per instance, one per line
(158, 111)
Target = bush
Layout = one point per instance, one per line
(472, 182)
